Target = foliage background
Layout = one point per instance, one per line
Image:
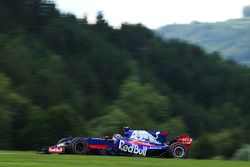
(61, 76)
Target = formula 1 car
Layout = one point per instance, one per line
(131, 143)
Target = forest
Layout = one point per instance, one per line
(60, 75)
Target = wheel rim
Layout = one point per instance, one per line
(179, 152)
(79, 147)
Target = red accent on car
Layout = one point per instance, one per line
(55, 150)
(97, 146)
(164, 133)
(185, 140)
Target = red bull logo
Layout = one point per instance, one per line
(133, 148)
(55, 150)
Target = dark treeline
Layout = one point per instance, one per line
(61, 76)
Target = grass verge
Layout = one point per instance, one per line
(31, 159)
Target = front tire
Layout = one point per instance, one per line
(78, 146)
(178, 150)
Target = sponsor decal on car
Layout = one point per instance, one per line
(158, 147)
(55, 150)
(133, 148)
(185, 140)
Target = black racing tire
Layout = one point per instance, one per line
(78, 146)
(178, 150)
(62, 140)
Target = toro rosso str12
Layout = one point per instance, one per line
(130, 143)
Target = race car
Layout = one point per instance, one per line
(130, 143)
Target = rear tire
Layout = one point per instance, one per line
(78, 146)
(178, 150)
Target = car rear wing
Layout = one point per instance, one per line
(185, 140)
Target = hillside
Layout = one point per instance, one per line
(61, 76)
(230, 37)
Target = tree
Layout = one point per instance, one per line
(143, 103)
(14, 110)
(85, 19)
(38, 13)
(113, 122)
(6, 119)
(48, 126)
(100, 18)
(102, 25)
(134, 36)
(242, 154)
(174, 126)
(226, 116)
(21, 54)
(226, 142)
(203, 148)
(111, 67)
(138, 106)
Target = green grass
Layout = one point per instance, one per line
(31, 159)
